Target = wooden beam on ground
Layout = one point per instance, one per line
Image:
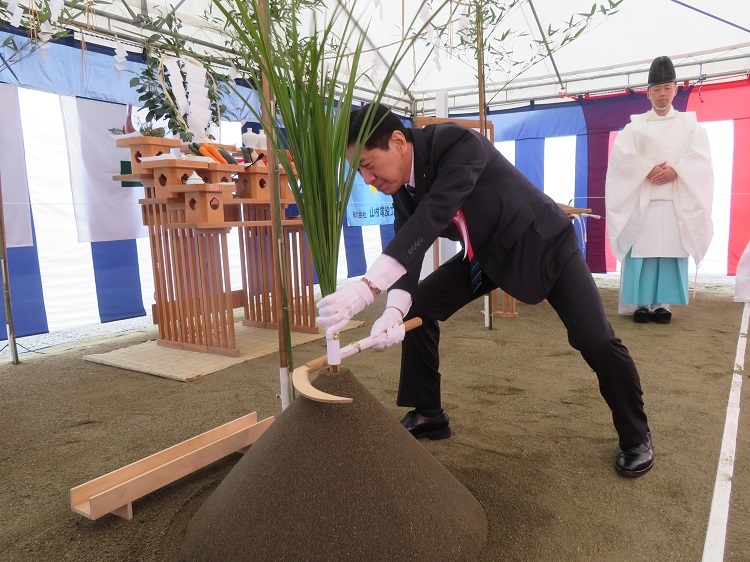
(115, 491)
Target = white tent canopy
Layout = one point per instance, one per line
(705, 38)
(562, 148)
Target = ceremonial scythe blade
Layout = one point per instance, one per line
(301, 379)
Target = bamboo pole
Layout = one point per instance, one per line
(6, 285)
(277, 245)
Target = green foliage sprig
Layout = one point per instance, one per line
(37, 16)
(493, 16)
(155, 91)
(313, 79)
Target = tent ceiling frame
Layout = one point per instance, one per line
(137, 23)
(134, 30)
(632, 81)
(587, 74)
(401, 84)
(546, 44)
(725, 76)
(717, 18)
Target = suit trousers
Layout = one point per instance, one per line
(574, 296)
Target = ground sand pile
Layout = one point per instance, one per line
(337, 482)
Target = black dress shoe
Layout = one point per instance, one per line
(437, 427)
(642, 315)
(661, 316)
(635, 461)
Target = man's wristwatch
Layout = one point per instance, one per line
(370, 284)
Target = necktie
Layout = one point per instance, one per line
(475, 274)
(475, 270)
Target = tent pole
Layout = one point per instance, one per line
(6, 285)
(489, 302)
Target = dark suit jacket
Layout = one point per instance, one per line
(519, 235)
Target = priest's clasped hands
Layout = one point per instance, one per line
(661, 174)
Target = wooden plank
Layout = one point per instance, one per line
(241, 234)
(309, 276)
(573, 210)
(141, 140)
(225, 351)
(266, 273)
(187, 302)
(274, 326)
(170, 297)
(255, 271)
(115, 490)
(238, 300)
(153, 242)
(175, 163)
(470, 123)
(225, 226)
(295, 289)
(284, 252)
(201, 187)
(161, 200)
(181, 315)
(256, 324)
(127, 177)
(228, 304)
(194, 278)
(102, 483)
(509, 307)
(160, 266)
(170, 343)
(196, 347)
(214, 264)
(255, 201)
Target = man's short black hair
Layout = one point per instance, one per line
(386, 122)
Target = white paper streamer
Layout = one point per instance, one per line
(463, 22)
(55, 7)
(172, 65)
(199, 115)
(120, 55)
(15, 21)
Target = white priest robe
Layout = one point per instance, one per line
(669, 220)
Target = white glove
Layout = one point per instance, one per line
(337, 309)
(391, 323)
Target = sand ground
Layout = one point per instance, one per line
(533, 439)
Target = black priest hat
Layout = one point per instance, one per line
(661, 71)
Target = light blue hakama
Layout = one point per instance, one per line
(649, 281)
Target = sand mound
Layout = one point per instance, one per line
(333, 482)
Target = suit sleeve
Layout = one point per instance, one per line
(403, 206)
(457, 159)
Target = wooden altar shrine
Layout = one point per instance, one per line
(188, 220)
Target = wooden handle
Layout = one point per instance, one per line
(301, 378)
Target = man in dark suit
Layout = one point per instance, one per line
(449, 181)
